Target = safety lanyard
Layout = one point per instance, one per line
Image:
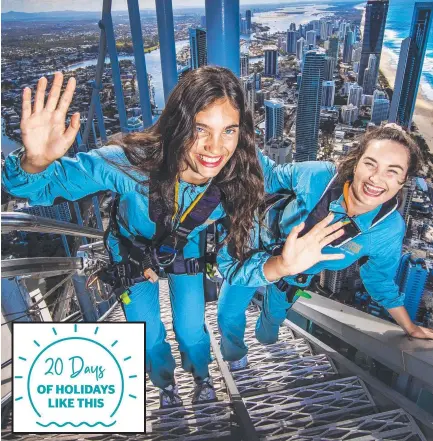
(346, 201)
(191, 207)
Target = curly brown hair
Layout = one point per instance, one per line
(347, 165)
(161, 150)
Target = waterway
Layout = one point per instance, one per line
(153, 67)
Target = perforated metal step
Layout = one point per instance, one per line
(288, 393)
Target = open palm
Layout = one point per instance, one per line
(301, 253)
(43, 130)
(423, 333)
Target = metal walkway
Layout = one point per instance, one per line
(286, 393)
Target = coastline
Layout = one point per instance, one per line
(423, 107)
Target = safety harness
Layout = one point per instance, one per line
(164, 252)
(273, 213)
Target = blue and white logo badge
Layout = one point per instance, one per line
(86, 377)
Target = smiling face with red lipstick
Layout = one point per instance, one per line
(216, 139)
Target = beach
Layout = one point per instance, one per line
(423, 114)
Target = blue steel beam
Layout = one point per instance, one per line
(107, 23)
(100, 119)
(64, 240)
(222, 22)
(97, 86)
(79, 220)
(164, 15)
(140, 62)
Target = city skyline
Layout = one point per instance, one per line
(118, 5)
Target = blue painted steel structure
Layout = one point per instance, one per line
(164, 15)
(64, 240)
(140, 62)
(222, 20)
(107, 23)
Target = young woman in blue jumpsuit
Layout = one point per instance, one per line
(204, 135)
(372, 174)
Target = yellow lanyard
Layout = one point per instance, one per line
(346, 199)
(190, 208)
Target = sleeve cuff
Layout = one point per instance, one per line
(261, 273)
(14, 159)
(395, 302)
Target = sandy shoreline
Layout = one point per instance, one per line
(423, 114)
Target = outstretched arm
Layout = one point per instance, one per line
(298, 254)
(378, 275)
(40, 172)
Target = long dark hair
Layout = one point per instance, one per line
(347, 165)
(160, 150)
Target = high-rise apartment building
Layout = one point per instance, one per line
(198, 48)
(274, 119)
(245, 65)
(348, 47)
(291, 42)
(328, 93)
(411, 278)
(374, 29)
(370, 75)
(379, 110)
(410, 65)
(309, 102)
(271, 61)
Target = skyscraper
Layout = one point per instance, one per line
(370, 75)
(410, 64)
(346, 279)
(311, 37)
(333, 48)
(308, 112)
(248, 19)
(300, 49)
(408, 191)
(379, 110)
(250, 92)
(274, 119)
(291, 42)
(245, 60)
(329, 68)
(349, 114)
(279, 150)
(328, 93)
(243, 26)
(411, 278)
(197, 44)
(203, 21)
(356, 54)
(323, 30)
(355, 95)
(292, 27)
(329, 28)
(271, 61)
(258, 80)
(374, 29)
(347, 48)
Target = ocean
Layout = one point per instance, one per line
(397, 28)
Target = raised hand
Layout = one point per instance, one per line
(301, 253)
(43, 130)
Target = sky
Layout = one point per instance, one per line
(96, 5)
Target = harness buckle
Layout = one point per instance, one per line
(192, 266)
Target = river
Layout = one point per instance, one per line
(153, 66)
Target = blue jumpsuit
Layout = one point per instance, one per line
(88, 173)
(381, 243)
